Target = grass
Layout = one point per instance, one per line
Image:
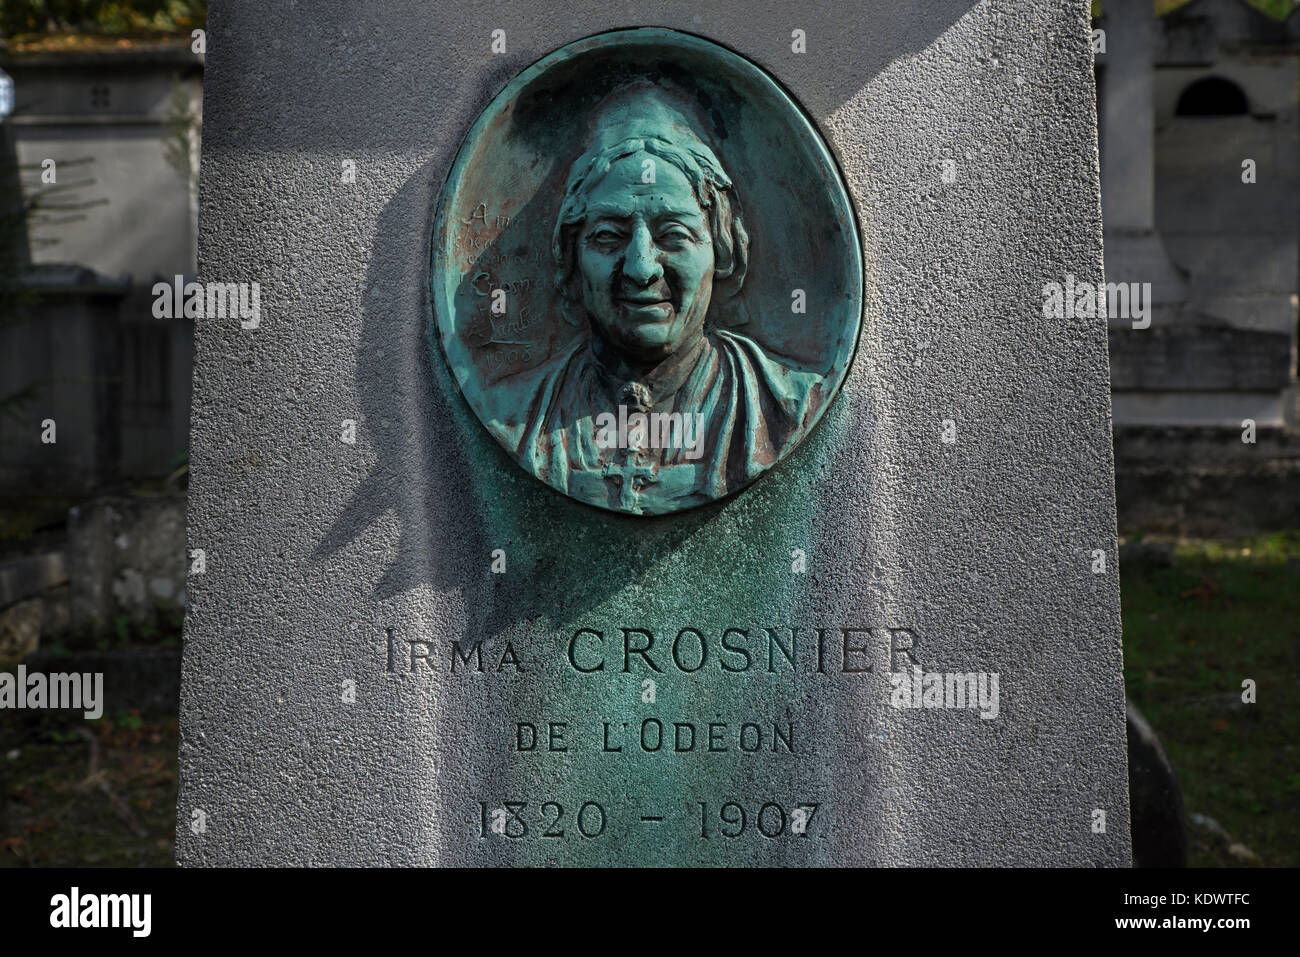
(1221, 614)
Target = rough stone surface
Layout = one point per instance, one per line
(126, 556)
(30, 575)
(20, 630)
(34, 602)
(983, 548)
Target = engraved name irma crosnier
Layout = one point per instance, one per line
(626, 649)
(649, 246)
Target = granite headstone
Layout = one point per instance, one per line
(435, 619)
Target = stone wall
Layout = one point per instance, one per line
(126, 557)
(1188, 99)
(121, 565)
(1206, 481)
(116, 124)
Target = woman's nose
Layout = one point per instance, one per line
(641, 265)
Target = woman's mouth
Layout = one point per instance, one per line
(649, 307)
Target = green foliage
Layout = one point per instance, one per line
(1277, 9)
(121, 631)
(130, 720)
(161, 630)
(20, 18)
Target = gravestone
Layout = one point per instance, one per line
(452, 602)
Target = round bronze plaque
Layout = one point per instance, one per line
(646, 277)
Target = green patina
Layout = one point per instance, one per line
(725, 565)
(662, 295)
(656, 357)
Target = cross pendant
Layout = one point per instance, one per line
(626, 477)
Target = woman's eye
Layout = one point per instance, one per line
(605, 236)
(675, 236)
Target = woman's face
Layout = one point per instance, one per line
(645, 257)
